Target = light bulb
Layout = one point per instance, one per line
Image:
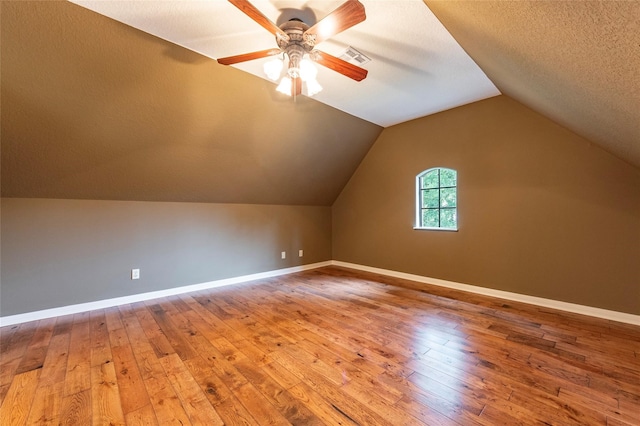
(307, 70)
(313, 87)
(273, 68)
(326, 28)
(285, 86)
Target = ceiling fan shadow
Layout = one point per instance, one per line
(306, 15)
(184, 55)
(402, 55)
(412, 69)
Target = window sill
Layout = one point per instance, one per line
(435, 229)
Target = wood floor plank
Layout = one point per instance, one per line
(7, 373)
(16, 340)
(37, 349)
(133, 393)
(171, 331)
(218, 363)
(76, 409)
(191, 396)
(54, 367)
(144, 416)
(78, 376)
(352, 373)
(259, 406)
(603, 405)
(328, 413)
(17, 404)
(558, 410)
(165, 402)
(46, 408)
(100, 345)
(350, 407)
(325, 346)
(291, 409)
(281, 375)
(105, 396)
(7, 333)
(160, 391)
(199, 304)
(366, 396)
(492, 415)
(233, 412)
(248, 350)
(434, 412)
(3, 392)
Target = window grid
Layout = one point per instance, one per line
(424, 208)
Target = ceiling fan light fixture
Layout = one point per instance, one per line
(294, 72)
(313, 87)
(308, 71)
(273, 68)
(285, 86)
(296, 42)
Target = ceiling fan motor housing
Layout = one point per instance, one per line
(297, 45)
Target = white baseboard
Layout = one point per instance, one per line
(108, 303)
(533, 300)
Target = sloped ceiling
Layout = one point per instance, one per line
(576, 62)
(95, 109)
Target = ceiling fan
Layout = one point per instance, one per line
(297, 41)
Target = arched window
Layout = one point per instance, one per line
(436, 199)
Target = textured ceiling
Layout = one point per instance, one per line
(576, 62)
(417, 68)
(92, 108)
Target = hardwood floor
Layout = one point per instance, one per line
(328, 346)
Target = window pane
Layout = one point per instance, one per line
(448, 197)
(430, 179)
(430, 218)
(431, 198)
(448, 218)
(447, 177)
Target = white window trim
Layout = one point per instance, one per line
(418, 207)
(425, 228)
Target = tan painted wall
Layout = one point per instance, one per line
(62, 252)
(541, 212)
(96, 110)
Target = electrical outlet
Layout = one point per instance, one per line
(283, 254)
(135, 274)
(300, 253)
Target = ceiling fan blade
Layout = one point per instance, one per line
(230, 60)
(252, 12)
(345, 16)
(338, 65)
